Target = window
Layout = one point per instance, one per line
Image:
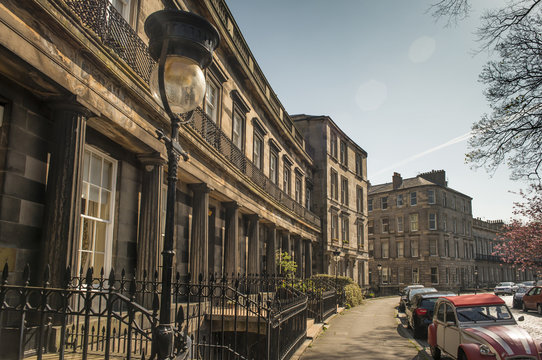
(401, 275)
(370, 204)
(344, 154)
(2, 111)
(444, 199)
(211, 101)
(371, 227)
(257, 150)
(344, 191)
(385, 225)
(97, 211)
(399, 200)
(308, 196)
(298, 189)
(384, 202)
(415, 276)
(433, 247)
(345, 233)
(445, 223)
(371, 249)
(434, 275)
(457, 249)
(334, 185)
(431, 196)
(413, 222)
(334, 226)
(400, 224)
(286, 176)
(414, 248)
(386, 272)
(360, 234)
(432, 221)
(447, 275)
(446, 247)
(359, 165)
(455, 225)
(273, 166)
(400, 249)
(237, 132)
(413, 198)
(359, 199)
(385, 249)
(123, 7)
(333, 145)
(463, 227)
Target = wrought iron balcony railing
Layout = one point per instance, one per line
(493, 258)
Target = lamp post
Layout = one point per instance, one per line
(182, 44)
(379, 268)
(476, 279)
(336, 255)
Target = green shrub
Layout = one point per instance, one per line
(353, 295)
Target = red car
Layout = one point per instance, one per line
(478, 327)
(532, 300)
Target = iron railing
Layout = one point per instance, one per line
(103, 317)
(321, 298)
(485, 257)
(213, 135)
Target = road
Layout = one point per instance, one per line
(369, 331)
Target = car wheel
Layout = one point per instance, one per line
(418, 331)
(539, 308)
(462, 356)
(435, 352)
(524, 307)
(515, 304)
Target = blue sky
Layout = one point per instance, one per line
(402, 86)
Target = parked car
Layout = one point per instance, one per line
(527, 283)
(420, 312)
(404, 295)
(504, 288)
(476, 327)
(532, 300)
(415, 291)
(517, 300)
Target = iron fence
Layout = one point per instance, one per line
(242, 317)
(321, 298)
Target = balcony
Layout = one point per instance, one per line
(485, 257)
(100, 17)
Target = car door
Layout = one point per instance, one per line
(537, 298)
(528, 299)
(440, 324)
(451, 332)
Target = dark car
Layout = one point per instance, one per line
(404, 295)
(420, 312)
(517, 300)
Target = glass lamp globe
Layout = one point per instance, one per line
(184, 82)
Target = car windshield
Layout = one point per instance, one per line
(493, 313)
(419, 291)
(505, 284)
(521, 289)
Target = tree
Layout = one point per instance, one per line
(286, 264)
(512, 132)
(522, 239)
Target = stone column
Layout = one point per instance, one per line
(63, 198)
(231, 257)
(308, 259)
(271, 248)
(253, 245)
(199, 243)
(298, 256)
(149, 244)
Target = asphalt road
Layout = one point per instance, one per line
(369, 331)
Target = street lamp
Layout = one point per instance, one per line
(379, 268)
(476, 279)
(182, 44)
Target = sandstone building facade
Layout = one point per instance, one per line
(339, 197)
(420, 231)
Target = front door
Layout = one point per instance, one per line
(451, 332)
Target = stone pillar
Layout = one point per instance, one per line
(298, 256)
(199, 244)
(149, 244)
(231, 253)
(271, 248)
(253, 245)
(63, 198)
(308, 259)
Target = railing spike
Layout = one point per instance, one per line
(180, 316)
(155, 302)
(123, 274)
(88, 278)
(145, 274)
(178, 276)
(102, 273)
(5, 274)
(46, 275)
(155, 275)
(132, 288)
(26, 274)
(111, 277)
(212, 278)
(200, 277)
(67, 276)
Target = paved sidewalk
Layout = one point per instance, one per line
(369, 331)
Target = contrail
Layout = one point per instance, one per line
(423, 153)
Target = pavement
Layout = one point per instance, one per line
(368, 331)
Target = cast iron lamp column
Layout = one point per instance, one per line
(476, 279)
(379, 268)
(336, 255)
(182, 43)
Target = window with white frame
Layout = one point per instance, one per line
(371, 227)
(237, 129)
(413, 198)
(370, 205)
(257, 150)
(432, 221)
(386, 275)
(414, 250)
(344, 191)
(385, 249)
(334, 185)
(401, 275)
(298, 189)
(308, 196)
(345, 230)
(384, 202)
(344, 154)
(334, 226)
(445, 222)
(385, 225)
(399, 200)
(359, 199)
(415, 276)
(400, 249)
(211, 101)
(413, 222)
(399, 221)
(360, 234)
(446, 247)
(359, 165)
(433, 247)
(333, 145)
(97, 210)
(434, 275)
(123, 7)
(431, 196)
(273, 166)
(286, 179)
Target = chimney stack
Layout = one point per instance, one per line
(397, 180)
